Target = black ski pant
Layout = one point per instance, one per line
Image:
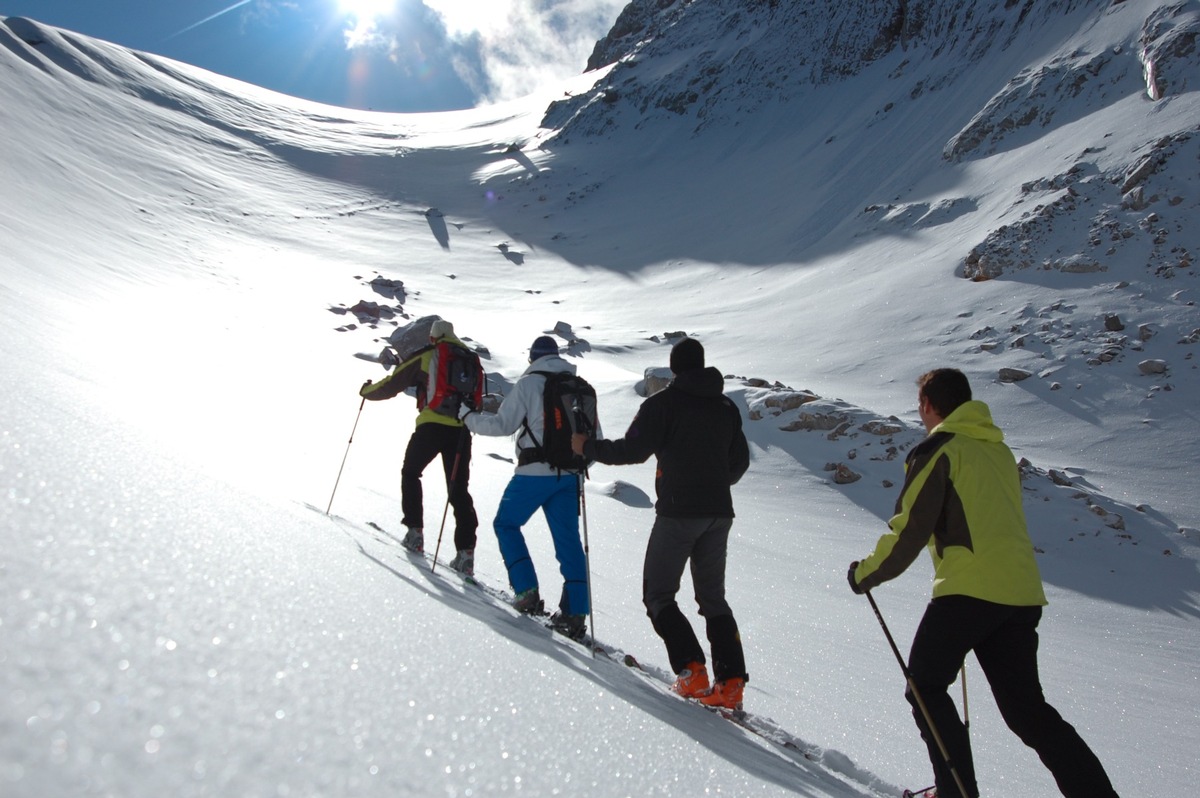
(1005, 641)
(674, 542)
(453, 444)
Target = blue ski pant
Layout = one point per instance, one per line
(558, 499)
(1005, 641)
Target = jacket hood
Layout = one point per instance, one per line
(972, 419)
(700, 382)
(450, 339)
(552, 363)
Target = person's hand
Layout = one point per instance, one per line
(363, 390)
(854, 582)
(577, 442)
(464, 410)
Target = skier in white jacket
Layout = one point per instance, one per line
(537, 485)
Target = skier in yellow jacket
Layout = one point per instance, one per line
(434, 434)
(962, 500)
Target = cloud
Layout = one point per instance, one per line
(539, 42)
(501, 49)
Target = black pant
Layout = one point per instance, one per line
(1005, 642)
(702, 542)
(452, 443)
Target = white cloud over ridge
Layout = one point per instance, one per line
(502, 49)
(541, 41)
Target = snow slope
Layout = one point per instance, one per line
(181, 253)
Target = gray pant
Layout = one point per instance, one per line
(674, 543)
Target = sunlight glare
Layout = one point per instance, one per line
(366, 10)
(468, 16)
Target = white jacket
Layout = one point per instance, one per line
(521, 407)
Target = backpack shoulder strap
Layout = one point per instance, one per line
(525, 421)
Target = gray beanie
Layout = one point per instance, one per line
(440, 329)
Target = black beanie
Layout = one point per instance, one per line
(542, 345)
(687, 355)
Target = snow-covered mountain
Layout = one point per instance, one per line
(1050, 147)
(197, 275)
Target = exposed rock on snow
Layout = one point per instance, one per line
(1009, 374)
(368, 312)
(1059, 478)
(842, 473)
(776, 403)
(387, 287)
(654, 379)
(1169, 53)
(1031, 241)
(890, 427)
(1032, 98)
(815, 421)
(412, 336)
(564, 331)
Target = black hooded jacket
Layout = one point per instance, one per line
(696, 432)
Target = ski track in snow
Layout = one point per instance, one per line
(763, 741)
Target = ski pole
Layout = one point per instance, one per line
(347, 454)
(966, 712)
(912, 686)
(581, 422)
(462, 439)
(587, 560)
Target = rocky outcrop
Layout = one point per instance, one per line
(640, 21)
(722, 57)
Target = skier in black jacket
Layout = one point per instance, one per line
(696, 433)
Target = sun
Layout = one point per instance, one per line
(363, 20)
(366, 10)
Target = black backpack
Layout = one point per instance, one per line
(568, 406)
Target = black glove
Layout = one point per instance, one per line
(850, 578)
(363, 390)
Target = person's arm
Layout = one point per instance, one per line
(739, 450)
(403, 377)
(509, 416)
(918, 509)
(644, 437)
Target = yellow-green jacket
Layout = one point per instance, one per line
(413, 373)
(962, 500)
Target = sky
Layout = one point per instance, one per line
(383, 55)
(188, 306)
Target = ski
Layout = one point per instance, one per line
(760, 727)
(503, 597)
